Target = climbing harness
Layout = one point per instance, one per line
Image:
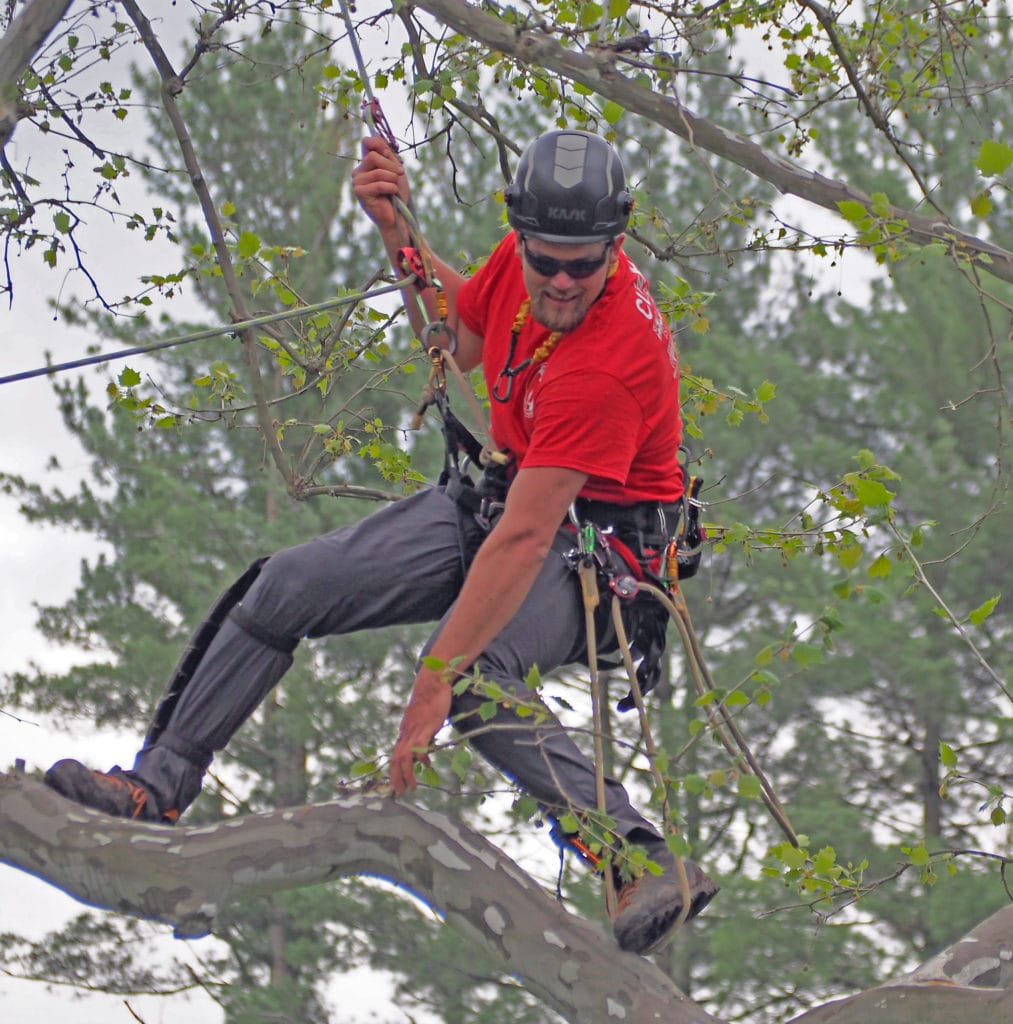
(644, 580)
(632, 553)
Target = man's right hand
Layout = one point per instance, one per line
(377, 179)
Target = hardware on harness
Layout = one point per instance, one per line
(412, 263)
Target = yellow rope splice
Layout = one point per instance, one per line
(545, 349)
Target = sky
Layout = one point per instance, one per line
(41, 566)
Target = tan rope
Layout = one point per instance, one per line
(588, 577)
(651, 749)
(724, 725)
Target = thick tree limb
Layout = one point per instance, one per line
(597, 71)
(183, 876)
(971, 982)
(18, 45)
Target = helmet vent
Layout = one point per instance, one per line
(569, 163)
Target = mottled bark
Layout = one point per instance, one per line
(182, 876)
(971, 982)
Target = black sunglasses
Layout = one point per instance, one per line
(548, 266)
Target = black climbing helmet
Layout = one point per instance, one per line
(570, 187)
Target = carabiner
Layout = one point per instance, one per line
(439, 327)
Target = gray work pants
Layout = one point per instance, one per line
(403, 564)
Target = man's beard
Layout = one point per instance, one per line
(559, 318)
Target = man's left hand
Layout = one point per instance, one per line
(428, 708)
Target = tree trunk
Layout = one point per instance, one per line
(182, 876)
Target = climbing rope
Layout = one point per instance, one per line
(208, 332)
(587, 573)
(591, 561)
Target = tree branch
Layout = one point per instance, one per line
(970, 981)
(597, 72)
(172, 85)
(183, 876)
(18, 45)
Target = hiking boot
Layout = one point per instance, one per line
(648, 908)
(115, 792)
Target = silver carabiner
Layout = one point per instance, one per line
(439, 327)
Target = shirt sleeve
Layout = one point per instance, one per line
(474, 296)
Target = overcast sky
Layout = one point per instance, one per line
(41, 565)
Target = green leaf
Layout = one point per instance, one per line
(849, 555)
(994, 157)
(487, 710)
(918, 854)
(766, 391)
(807, 654)
(695, 784)
(569, 824)
(880, 204)
(249, 244)
(825, 860)
(982, 612)
(129, 378)
(749, 787)
(947, 755)
(793, 856)
(870, 492)
(766, 677)
(852, 211)
(62, 222)
(461, 762)
(525, 807)
(678, 845)
(880, 567)
(981, 204)
(612, 112)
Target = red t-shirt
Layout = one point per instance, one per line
(605, 402)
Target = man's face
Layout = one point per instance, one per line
(559, 300)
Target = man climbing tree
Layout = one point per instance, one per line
(583, 376)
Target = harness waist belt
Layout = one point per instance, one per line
(645, 517)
